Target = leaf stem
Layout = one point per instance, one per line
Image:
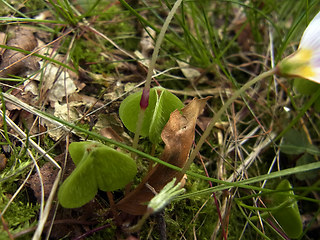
(145, 101)
(138, 128)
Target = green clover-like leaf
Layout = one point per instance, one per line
(97, 167)
(288, 216)
(296, 142)
(161, 104)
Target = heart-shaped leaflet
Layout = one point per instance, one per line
(97, 167)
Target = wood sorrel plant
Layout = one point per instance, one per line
(304, 63)
(144, 102)
(101, 167)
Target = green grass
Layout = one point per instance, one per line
(229, 43)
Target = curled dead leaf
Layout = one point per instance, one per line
(178, 136)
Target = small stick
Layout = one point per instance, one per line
(161, 223)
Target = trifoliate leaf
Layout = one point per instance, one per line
(97, 167)
(295, 142)
(287, 216)
(161, 104)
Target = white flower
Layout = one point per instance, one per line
(305, 62)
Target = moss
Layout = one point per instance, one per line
(50, 144)
(185, 215)
(16, 167)
(198, 215)
(34, 6)
(108, 233)
(88, 55)
(112, 22)
(19, 216)
(119, 25)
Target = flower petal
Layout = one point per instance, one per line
(316, 77)
(305, 62)
(298, 64)
(311, 36)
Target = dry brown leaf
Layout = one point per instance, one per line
(110, 133)
(178, 136)
(56, 83)
(64, 111)
(147, 42)
(78, 97)
(3, 161)
(14, 62)
(189, 72)
(3, 37)
(48, 176)
(23, 95)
